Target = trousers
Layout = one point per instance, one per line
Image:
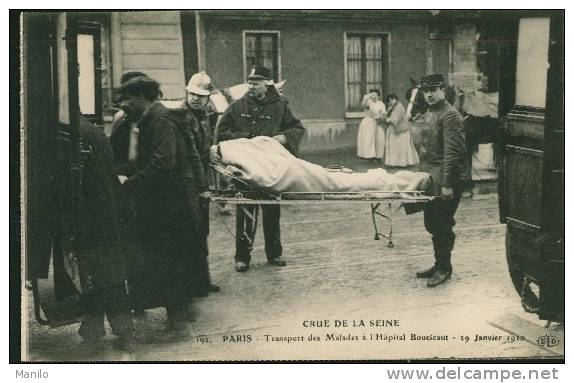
(246, 228)
(439, 222)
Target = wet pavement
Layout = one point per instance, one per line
(343, 295)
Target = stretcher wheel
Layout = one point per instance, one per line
(391, 244)
(377, 237)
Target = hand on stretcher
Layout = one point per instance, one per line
(281, 139)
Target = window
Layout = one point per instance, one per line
(89, 75)
(532, 62)
(367, 66)
(262, 49)
(488, 47)
(94, 39)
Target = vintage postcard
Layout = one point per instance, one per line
(292, 185)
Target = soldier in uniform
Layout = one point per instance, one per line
(197, 111)
(260, 112)
(445, 159)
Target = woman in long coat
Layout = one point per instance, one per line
(400, 150)
(371, 134)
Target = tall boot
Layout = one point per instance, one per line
(427, 273)
(443, 269)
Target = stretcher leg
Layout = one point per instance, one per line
(389, 217)
(374, 211)
(249, 224)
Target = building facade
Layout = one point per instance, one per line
(329, 58)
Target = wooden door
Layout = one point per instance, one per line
(531, 193)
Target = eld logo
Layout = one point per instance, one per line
(548, 341)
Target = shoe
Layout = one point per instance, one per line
(139, 314)
(124, 344)
(205, 290)
(426, 273)
(92, 346)
(241, 266)
(439, 276)
(213, 288)
(190, 315)
(176, 332)
(94, 343)
(201, 293)
(277, 261)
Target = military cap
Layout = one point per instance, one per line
(432, 80)
(259, 73)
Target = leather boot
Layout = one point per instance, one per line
(439, 277)
(241, 266)
(426, 273)
(277, 261)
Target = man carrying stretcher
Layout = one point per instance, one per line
(261, 112)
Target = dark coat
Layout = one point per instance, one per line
(165, 186)
(271, 116)
(445, 154)
(102, 209)
(201, 124)
(168, 173)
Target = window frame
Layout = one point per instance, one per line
(262, 32)
(385, 60)
(93, 29)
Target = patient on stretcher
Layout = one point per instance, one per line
(265, 163)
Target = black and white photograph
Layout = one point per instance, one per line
(302, 185)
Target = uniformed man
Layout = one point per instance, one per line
(260, 112)
(445, 159)
(201, 120)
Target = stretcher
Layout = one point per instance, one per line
(383, 204)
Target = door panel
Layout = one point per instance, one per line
(524, 185)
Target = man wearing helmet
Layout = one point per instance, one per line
(201, 120)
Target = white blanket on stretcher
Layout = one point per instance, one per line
(265, 163)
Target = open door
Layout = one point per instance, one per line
(57, 48)
(531, 183)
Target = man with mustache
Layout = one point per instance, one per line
(260, 112)
(445, 159)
